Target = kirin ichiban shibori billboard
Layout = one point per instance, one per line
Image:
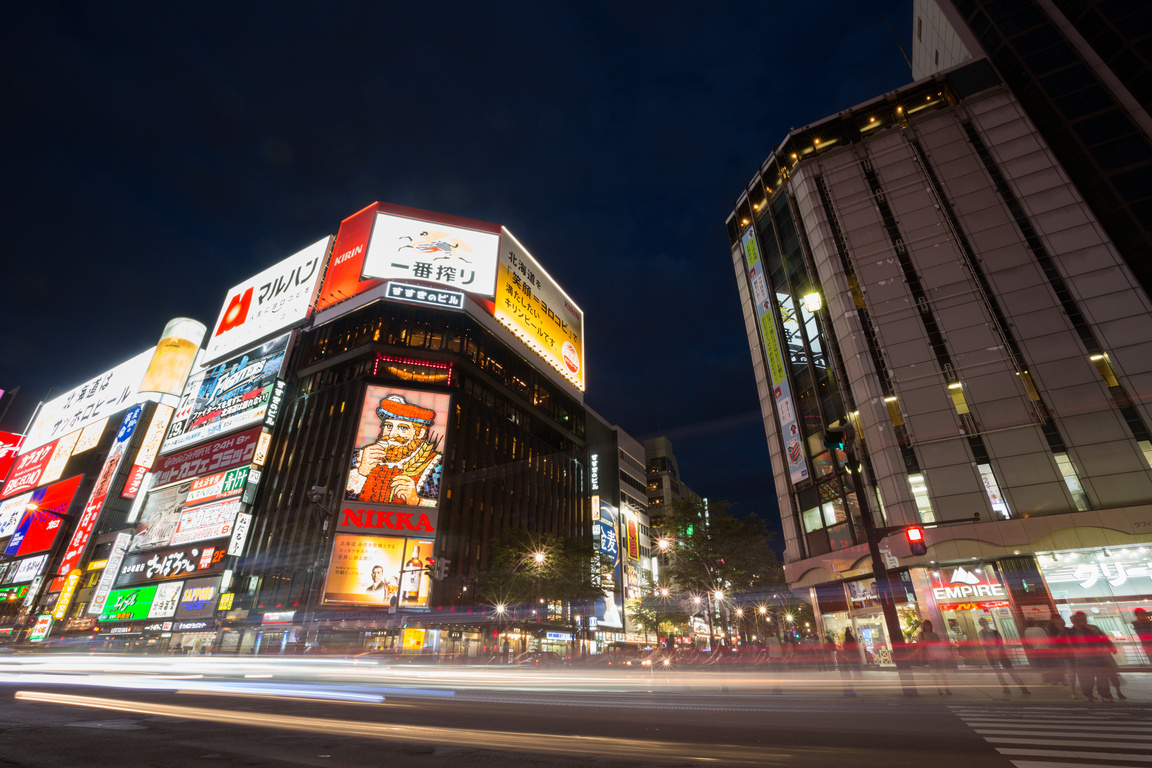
(394, 480)
(228, 396)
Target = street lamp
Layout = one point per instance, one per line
(714, 582)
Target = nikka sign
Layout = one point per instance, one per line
(414, 522)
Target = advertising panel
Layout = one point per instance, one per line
(60, 610)
(36, 532)
(385, 519)
(378, 570)
(158, 518)
(174, 356)
(413, 248)
(955, 589)
(240, 534)
(149, 449)
(55, 498)
(173, 563)
(399, 452)
(230, 395)
(531, 305)
(94, 400)
(108, 578)
(41, 629)
(781, 390)
(198, 598)
(209, 521)
(609, 608)
(1089, 576)
(90, 436)
(276, 299)
(130, 604)
(217, 456)
(222, 485)
(28, 469)
(342, 280)
(422, 294)
(95, 503)
(9, 447)
(60, 455)
(11, 512)
(28, 570)
(166, 600)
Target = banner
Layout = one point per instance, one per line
(111, 571)
(217, 456)
(228, 396)
(781, 390)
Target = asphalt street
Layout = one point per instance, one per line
(93, 712)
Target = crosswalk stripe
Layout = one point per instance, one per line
(1065, 733)
(1121, 756)
(1069, 743)
(1103, 725)
(1044, 764)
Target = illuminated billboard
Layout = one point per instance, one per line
(99, 398)
(278, 298)
(9, 447)
(37, 523)
(770, 340)
(174, 563)
(198, 599)
(609, 609)
(414, 248)
(228, 396)
(399, 453)
(158, 517)
(208, 521)
(155, 601)
(29, 569)
(378, 570)
(29, 469)
(217, 456)
(531, 305)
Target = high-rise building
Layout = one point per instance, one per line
(664, 485)
(930, 270)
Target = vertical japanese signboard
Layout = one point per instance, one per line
(96, 501)
(781, 391)
(108, 577)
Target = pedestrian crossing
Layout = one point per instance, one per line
(1064, 737)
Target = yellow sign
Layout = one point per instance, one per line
(66, 594)
(97, 565)
(413, 639)
(226, 601)
(531, 305)
(157, 428)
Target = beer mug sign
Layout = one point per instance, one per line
(174, 356)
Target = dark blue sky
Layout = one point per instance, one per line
(153, 160)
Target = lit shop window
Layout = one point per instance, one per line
(920, 496)
(1105, 369)
(992, 488)
(1146, 449)
(1072, 480)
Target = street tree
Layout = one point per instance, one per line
(708, 551)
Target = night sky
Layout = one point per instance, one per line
(153, 160)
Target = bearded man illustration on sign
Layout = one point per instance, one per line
(403, 465)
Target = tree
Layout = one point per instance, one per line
(657, 607)
(709, 550)
(532, 567)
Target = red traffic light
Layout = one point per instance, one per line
(916, 543)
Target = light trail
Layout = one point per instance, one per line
(535, 743)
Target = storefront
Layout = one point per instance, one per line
(965, 594)
(855, 605)
(1108, 584)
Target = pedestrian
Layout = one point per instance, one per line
(938, 654)
(849, 661)
(993, 645)
(1093, 651)
(1063, 657)
(1142, 626)
(1038, 646)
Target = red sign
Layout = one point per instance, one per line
(381, 517)
(343, 278)
(28, 469)
(9, 443)
(216, 456)
(134, 481)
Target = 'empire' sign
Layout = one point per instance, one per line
(965, 585)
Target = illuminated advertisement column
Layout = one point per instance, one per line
(386, 525)
(606, 537)
(175, 353)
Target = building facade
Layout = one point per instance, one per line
(923, 269)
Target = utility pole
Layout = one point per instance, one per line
(879, 569)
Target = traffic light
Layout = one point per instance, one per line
(441, 568)
(834, 439)
(916, 542)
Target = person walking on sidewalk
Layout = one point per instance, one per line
(1093, 651)
(938, 654)
(849, 661)
(993, 645)
(1142, 626)
(1062, 651)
